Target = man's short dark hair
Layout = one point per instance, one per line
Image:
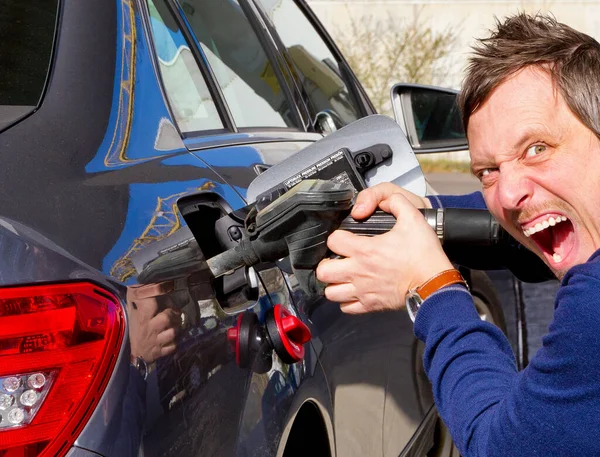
(571, 58)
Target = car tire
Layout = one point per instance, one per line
(486, 299)
(444, 445)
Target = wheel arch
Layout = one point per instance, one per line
(309, 431)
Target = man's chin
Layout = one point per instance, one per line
(560, 274)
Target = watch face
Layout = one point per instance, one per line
(140, 365)
(413, 303)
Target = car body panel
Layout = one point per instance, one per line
(91, 182)
(117, 171)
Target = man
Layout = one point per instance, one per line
(531, 110)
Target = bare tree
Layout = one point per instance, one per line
(385, 51)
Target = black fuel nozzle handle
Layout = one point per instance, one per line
(453, 226)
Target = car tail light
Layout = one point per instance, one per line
(58, 347)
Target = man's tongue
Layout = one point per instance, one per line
(563, 240)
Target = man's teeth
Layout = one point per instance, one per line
(557, 258)
(551, 222)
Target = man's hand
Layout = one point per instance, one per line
(369, 199)
(152, 333)
(376, 273)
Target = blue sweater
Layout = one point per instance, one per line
(552, 407)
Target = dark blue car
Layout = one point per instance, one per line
(115, 116)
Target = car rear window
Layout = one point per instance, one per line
(27, 35)
(243, 70)
(188, 94)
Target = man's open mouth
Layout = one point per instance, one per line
(553, 234)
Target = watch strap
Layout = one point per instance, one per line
(442, 279)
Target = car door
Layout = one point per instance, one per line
(372, 362)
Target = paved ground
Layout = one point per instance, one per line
(453, 183)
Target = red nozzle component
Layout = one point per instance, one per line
(233, 336)
(295, 329)
(292, 333)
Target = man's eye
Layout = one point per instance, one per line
(485, 175)
(535, 150)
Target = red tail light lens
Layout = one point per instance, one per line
(58, 347)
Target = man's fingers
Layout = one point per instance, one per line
(143, 291)
(415, 200)
(334, 271)
(168, 318)
(168, 350)
(400, 206)
(354, 307)
(166, 337)
(368, 200)
(345, 292)
(344, 243)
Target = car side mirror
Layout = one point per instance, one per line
(429, 117)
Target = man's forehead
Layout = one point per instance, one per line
(524, 104)
(532, 83)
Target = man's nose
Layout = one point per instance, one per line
(514, 188)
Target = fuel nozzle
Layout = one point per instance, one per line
(296, 224)
(299, 222)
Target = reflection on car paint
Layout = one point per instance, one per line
(165, 219)
(128, 140)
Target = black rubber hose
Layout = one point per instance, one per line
(471, 238)
(471, 227)
(457, 226)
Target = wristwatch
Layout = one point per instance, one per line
(140, 365)
(415, 297)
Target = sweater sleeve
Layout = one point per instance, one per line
(473, 201)
(550, 408)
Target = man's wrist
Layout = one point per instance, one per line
(140, 365)
(416, 296)
(446, 308)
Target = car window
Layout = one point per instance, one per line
(318, 67)
(240, 64)
(186, 89)
(27, 34)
